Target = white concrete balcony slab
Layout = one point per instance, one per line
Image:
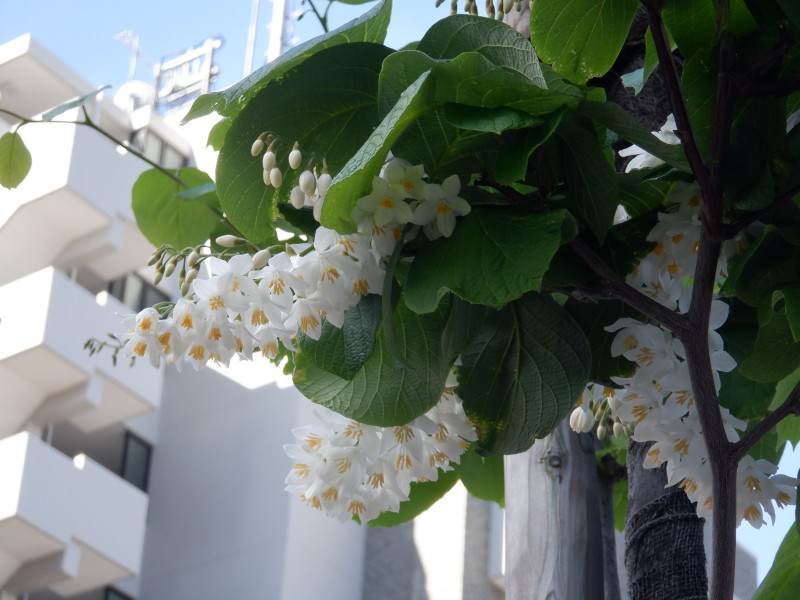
(46, 376)
(74, 207)
(69, 525)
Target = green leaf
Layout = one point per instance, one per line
(767, 448)
(62, 108)
(592, 189)
(343, 351)
(698, 82)
(620, 503)
(483, 476)
(15, 160)
(383, 392)
(783, 579)
(523, 373)
(775, 354)
(693, 24)
(640, 197)
(593, 318)
(792, 10)
(355, 179)
(621, 122)
(634, 80)
(502, 45)
(494, 256)
(788, 429)
(651, 55)
(216, 136)
(370, 27)
(512, 163)
(346, 76)
(422, 496)
(493, 120)
(168, 213)
(580, 38)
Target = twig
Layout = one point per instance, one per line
(720, 134)
(790, 406)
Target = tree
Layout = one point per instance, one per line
(467, 193)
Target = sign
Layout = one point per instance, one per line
(183, 78)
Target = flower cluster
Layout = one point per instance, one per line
(657, 400)
(643, 159)
(345, 468)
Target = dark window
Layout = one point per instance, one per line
(135, 293)
(114, 594)
(136, 461)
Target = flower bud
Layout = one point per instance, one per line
(261, 258)
(276, 177)
(619, 430)
(157, 279)
(193, 258)
(269, 161)
(508, 5)
(185, 288)
(323, 183)
(191, 275)
(230, 241)
(170, 268)
(257, 147)
(295, 156)
(307, 183)
(297, 197)
(601, 432)
(265, 175)
(155, 256)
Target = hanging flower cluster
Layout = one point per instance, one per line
(657, 400)
(345, 468)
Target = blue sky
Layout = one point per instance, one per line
(82, 33)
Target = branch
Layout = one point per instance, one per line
(720, 134)
(676, 100)
(744, 222)
(614, 287)
(790, 406)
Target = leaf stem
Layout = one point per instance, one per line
(790, 406)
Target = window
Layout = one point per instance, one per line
(136, 461)
(135, 293)
(157, 150)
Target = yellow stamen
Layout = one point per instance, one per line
(387, 203)
(313, 441)
(343, 464)
(302, 470)
(197, 352)
(145, 324)
(139, 349)
(216, 302)
(403, 434)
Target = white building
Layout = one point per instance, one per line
(120, 482)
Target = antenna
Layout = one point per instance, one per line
(132, 41)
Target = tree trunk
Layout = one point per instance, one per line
(664, 554)
(554, 548)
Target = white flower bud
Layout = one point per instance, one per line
(323, 183)
(508, 5)
(619, 430)
(265, 176)
(295, 157)
(601, 432)
(192, 275)
(318, 209)
(230, 241)
(297, 197)
(269, 161)
(257, 147)
(307, 183)
(261, 258)
(193, 258)
(276, 177)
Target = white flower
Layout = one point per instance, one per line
(437, 214)
(643, 159)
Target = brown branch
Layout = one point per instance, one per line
(790, 406)
(613, 287)
(676, 99)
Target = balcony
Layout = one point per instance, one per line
(68, 525)
(74, 206)
(46, 375)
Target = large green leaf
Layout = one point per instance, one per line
(512, 163)
(483, 476)
(523, 373)
(698, 82)
(580, 38)
(343, 350)
(493, 257)
(590, 180)
(370, 27)
(383, 392)
(642, 196)
(15, 160)
(168, 213)
(783, 579)
(346, 76)
(502, 45)
(422, 496)
(621, 122)
(775, 354)
(693, 25)
(355, 179)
